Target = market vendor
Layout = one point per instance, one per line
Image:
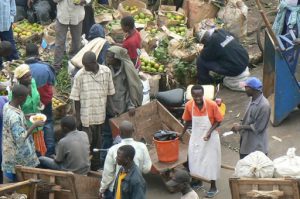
(204, 153)
(133, 41)
(93, 86)
(41, 10)
(32, 105)
(72, 151)
(222, 54)
(44, 76)
(17, 143)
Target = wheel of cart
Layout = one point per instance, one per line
(147, 120)
(26, 189)
(60, 184)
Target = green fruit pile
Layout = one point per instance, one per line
(24, 29)
(143, 18)
(152, 30)
(175, 17)
(98, 10)
(180, 30)
(131, 9)
(151, 66)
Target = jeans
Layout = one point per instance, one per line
(60, 41)
(108, 194)
(107, 140)
(8, 36)
(203, 68)
(49, 163)
(49, 130)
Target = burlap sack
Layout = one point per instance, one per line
(197, 10)
(130, 3)
(235, 17)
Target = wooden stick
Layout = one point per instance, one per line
(268, 24)
(224, 166)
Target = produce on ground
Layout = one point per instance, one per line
(143, 18)
(24, 29)
(152, 30)
(131, 9)
(57, 103)
(151, 66)
(100, 9)
(178, 29)
(180, 19)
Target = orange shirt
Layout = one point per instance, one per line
(210, 106)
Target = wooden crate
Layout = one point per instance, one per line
(61, 184)
(274, 188)
(149, 119)
(27, 187)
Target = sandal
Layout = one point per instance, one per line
(211, 194)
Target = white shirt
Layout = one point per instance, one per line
(111, 168)
(190, 195)
(68, 13)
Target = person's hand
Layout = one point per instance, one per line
(39, 124)
(131, 112)
(101, 195)
(115, 112)
(206, 137)
(236, 127)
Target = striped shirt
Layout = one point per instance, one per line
(7, 13)
(92, 91)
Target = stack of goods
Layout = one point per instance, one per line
(26, 32)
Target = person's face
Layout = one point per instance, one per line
(121, 159)
(26, 79)
(111, 60)
(6, 53)
(125, 28)
(249, 91)
(198, 96)
(89, 66)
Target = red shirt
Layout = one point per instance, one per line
(46, 93)
(132, 43)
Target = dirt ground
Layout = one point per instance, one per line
(236, 103)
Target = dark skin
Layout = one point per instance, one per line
(90, 66)
(17, 102)
(126, 129)
(123, 161)
(199, 102)
(115, 64)
(250, 93)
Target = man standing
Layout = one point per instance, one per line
(222, 54)
(42, 10)
(69, 15)
(44, 77)
(111, 168)
(93, 85)
(7, 14)
(253, 129)
(17, 143)
(130, 183)
(204, 154)
(72, 151)
(181, 182)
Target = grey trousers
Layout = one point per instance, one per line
(60, 41)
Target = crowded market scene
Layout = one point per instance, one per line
(136, 99)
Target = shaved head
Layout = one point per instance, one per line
(5, 48)
(126, 129)
(89, 61)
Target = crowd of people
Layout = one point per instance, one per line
(105, 84)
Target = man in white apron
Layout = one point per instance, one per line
(204, 155)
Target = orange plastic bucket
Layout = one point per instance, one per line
(167, 151)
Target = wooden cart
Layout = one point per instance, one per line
(273, 188)
(60, 184)
(27, 187)
(147, 120)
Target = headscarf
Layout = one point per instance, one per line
(21, 70)
(134, 83)
(96, 31)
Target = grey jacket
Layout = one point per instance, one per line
(133, 186)
(257, 116)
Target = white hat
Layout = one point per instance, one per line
(200, 34)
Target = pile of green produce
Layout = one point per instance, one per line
(180, 19)
(152, 30)
(24, 29)
(99, 9)
(143, 18)
(161, 52)
(131, 9)
(179, 29)
(151, 66)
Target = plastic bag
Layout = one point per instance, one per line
(255, 165)
(164, 135)
(288, 165)
(146, 91)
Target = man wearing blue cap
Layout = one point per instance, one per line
(253, 128)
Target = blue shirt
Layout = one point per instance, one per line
(7, 13)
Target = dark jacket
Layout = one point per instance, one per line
(98, 31)
(223, 48)
(22, 3)
(133, 186)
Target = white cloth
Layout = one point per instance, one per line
(111, 168)
(204, 156)
(234, 83)
(190, 195)
(68, 13)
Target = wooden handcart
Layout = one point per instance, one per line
(27, 187)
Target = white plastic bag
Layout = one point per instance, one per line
(255, 165)
(146, 91)
(234, 83)
(288, 165)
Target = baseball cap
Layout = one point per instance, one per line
(180, 176)
(254, 83)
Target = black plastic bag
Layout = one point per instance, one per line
(164, 135)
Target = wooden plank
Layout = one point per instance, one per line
(15, 186)
(52, 181)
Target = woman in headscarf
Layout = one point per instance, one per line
(32, 104)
